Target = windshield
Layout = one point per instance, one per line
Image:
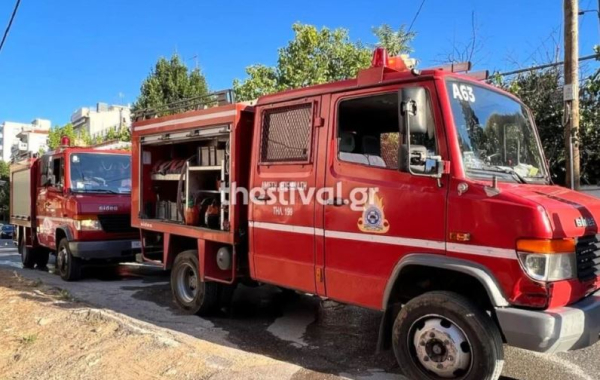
(100, 173)
(495, 134)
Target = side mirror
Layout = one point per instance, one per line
(414, 110)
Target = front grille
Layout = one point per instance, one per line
(588, 257)
(116, 223)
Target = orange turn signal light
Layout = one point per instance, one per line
(546, 245)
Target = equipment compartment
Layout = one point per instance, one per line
(186, 179)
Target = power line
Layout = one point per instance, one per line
(12, 17)
(548, 65)
(416, 15)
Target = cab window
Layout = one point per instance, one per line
(368, 134)
(58, 172)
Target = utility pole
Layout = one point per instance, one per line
(571, 92)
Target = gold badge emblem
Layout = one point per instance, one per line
(373, 219)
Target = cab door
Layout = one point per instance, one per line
(282, 225)
(50, 199)
(382, 212)
(40, 204)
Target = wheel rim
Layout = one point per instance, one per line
(440, 346)
(187, 282)
(62, 260)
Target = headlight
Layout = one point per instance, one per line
(548, 260)
(87, 225)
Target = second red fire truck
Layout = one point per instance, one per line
(423, 194)
(73, 202)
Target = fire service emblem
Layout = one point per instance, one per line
(373, 219)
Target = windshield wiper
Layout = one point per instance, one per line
(516, 176)
(511, 171)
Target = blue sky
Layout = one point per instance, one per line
(62, 55)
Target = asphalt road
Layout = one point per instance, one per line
(315, 335)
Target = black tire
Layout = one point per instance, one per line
(67, 266)
(41, 258)
(455, 315)
(27, 255)
(191, 294)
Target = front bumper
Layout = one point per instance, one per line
(557, 330)
(104, 250)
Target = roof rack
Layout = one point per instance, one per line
(212, 99)
(23, 156)
(463, 67)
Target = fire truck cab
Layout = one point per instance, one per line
(423, 194)
(75, 203)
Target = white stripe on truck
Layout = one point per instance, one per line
(477, 250)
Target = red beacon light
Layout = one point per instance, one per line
(65, 142)
(398, 63)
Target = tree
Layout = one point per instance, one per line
(542, 92)
(79, 138)
(395, 41)
(4, 190)
(317, 56)
(168, 82)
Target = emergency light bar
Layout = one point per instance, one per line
(399, 63)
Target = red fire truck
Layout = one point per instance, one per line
(75, 203)
(458, 235)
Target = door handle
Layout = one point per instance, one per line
(337, 202)
(261, 198)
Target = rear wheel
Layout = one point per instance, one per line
(193, 295)
(68, 267)
(27, 255)
(443, 335)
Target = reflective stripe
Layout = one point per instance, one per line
(478, 250)
(384, 239)
(481, 250)
(283, 227)
(189, 119)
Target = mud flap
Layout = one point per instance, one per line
(384, 339)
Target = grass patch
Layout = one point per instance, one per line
(29, 339)
(64, 295)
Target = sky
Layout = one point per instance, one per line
(62, 55)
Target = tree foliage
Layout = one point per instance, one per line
(542, 92)
(168, 82)
(317, 56)
(4, 190)
(395, 41)
(79, 138)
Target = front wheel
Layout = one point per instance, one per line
(193, 295)
(443, 335)
(68, 266)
